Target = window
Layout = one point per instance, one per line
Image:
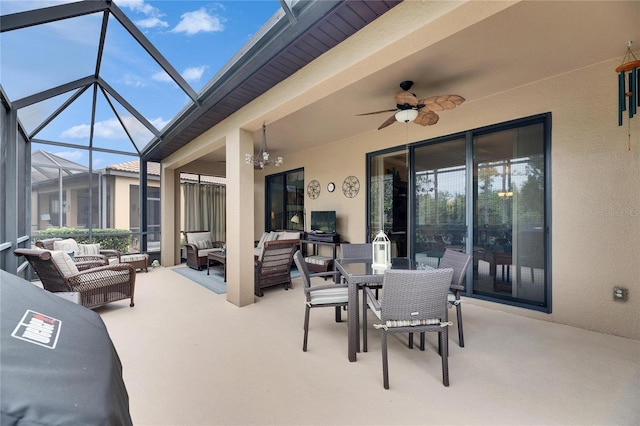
(285, 201)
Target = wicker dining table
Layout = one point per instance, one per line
(359, 273)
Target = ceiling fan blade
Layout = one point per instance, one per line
(405, 98)
(441, 103)
(389, 122)
(426, 117)
(377, 112)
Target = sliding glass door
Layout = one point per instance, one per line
(484, 192)
(509, 214)
(388, 199)
(440, 200)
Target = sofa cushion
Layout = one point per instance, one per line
(284, 235)
(67, 245)
(88, 249)
(203, 244)
(192, 237)
(63, 261)
(205, 252)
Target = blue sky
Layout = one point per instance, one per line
(197, 37)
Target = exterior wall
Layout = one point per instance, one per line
(595, 191)
(595, 181)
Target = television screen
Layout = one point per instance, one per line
(323, 221)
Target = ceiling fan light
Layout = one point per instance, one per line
(406, 115)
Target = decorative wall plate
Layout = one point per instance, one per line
(350, 186)
(331, 187)
(313, 189)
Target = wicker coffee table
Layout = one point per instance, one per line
(220, 257)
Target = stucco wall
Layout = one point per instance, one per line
(595, 191)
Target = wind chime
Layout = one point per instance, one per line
(631, 66)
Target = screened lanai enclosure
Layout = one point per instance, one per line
(75, 124)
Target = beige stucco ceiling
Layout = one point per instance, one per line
(493, 47)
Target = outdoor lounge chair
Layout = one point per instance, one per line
(97, 286)
(81, 252)
(199, 245)
(274, 266)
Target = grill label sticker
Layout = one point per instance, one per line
(38, 329)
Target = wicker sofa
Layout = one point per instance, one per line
(199, 245)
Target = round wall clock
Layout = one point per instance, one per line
(351, 186)
(331, 187)
(313, 189)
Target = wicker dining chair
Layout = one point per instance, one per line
(459, 262)
(97, 286)
(413, 301)
(319, 296)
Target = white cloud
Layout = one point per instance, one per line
(198, 21)
(152, 22)
(153, 14)
(74, 156)
(132, 80)
(191, 74)
(111, 129)
(194, 74)
(159, 123)
(138, 6)
(162, 76)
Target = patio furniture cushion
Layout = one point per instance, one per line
(194, 237)
(274, 236)
(137, 260)
(67, 245)
(63, 261)
(329, 296)
(318, 260)
(89, 249)
(203, 244)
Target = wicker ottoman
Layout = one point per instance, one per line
(137, 260)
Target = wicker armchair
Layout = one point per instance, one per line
(97, 286)
(103, 256)
(199, 245)
(274, 266)
(319, 296)
(413, 301)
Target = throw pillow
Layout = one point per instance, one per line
(64, 262)
(203, 244)
(262, 239)
(67, 245)
(89, 249)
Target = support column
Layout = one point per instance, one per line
(240, 219)
(170, 201)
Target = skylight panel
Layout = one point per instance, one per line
(40, 57)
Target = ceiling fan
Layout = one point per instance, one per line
(420, 111)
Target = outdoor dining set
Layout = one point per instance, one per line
(405, 296)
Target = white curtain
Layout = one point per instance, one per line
(205, 208)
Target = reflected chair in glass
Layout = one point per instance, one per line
(318, 296)
(413, 301)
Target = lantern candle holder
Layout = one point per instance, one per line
(381, 251)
